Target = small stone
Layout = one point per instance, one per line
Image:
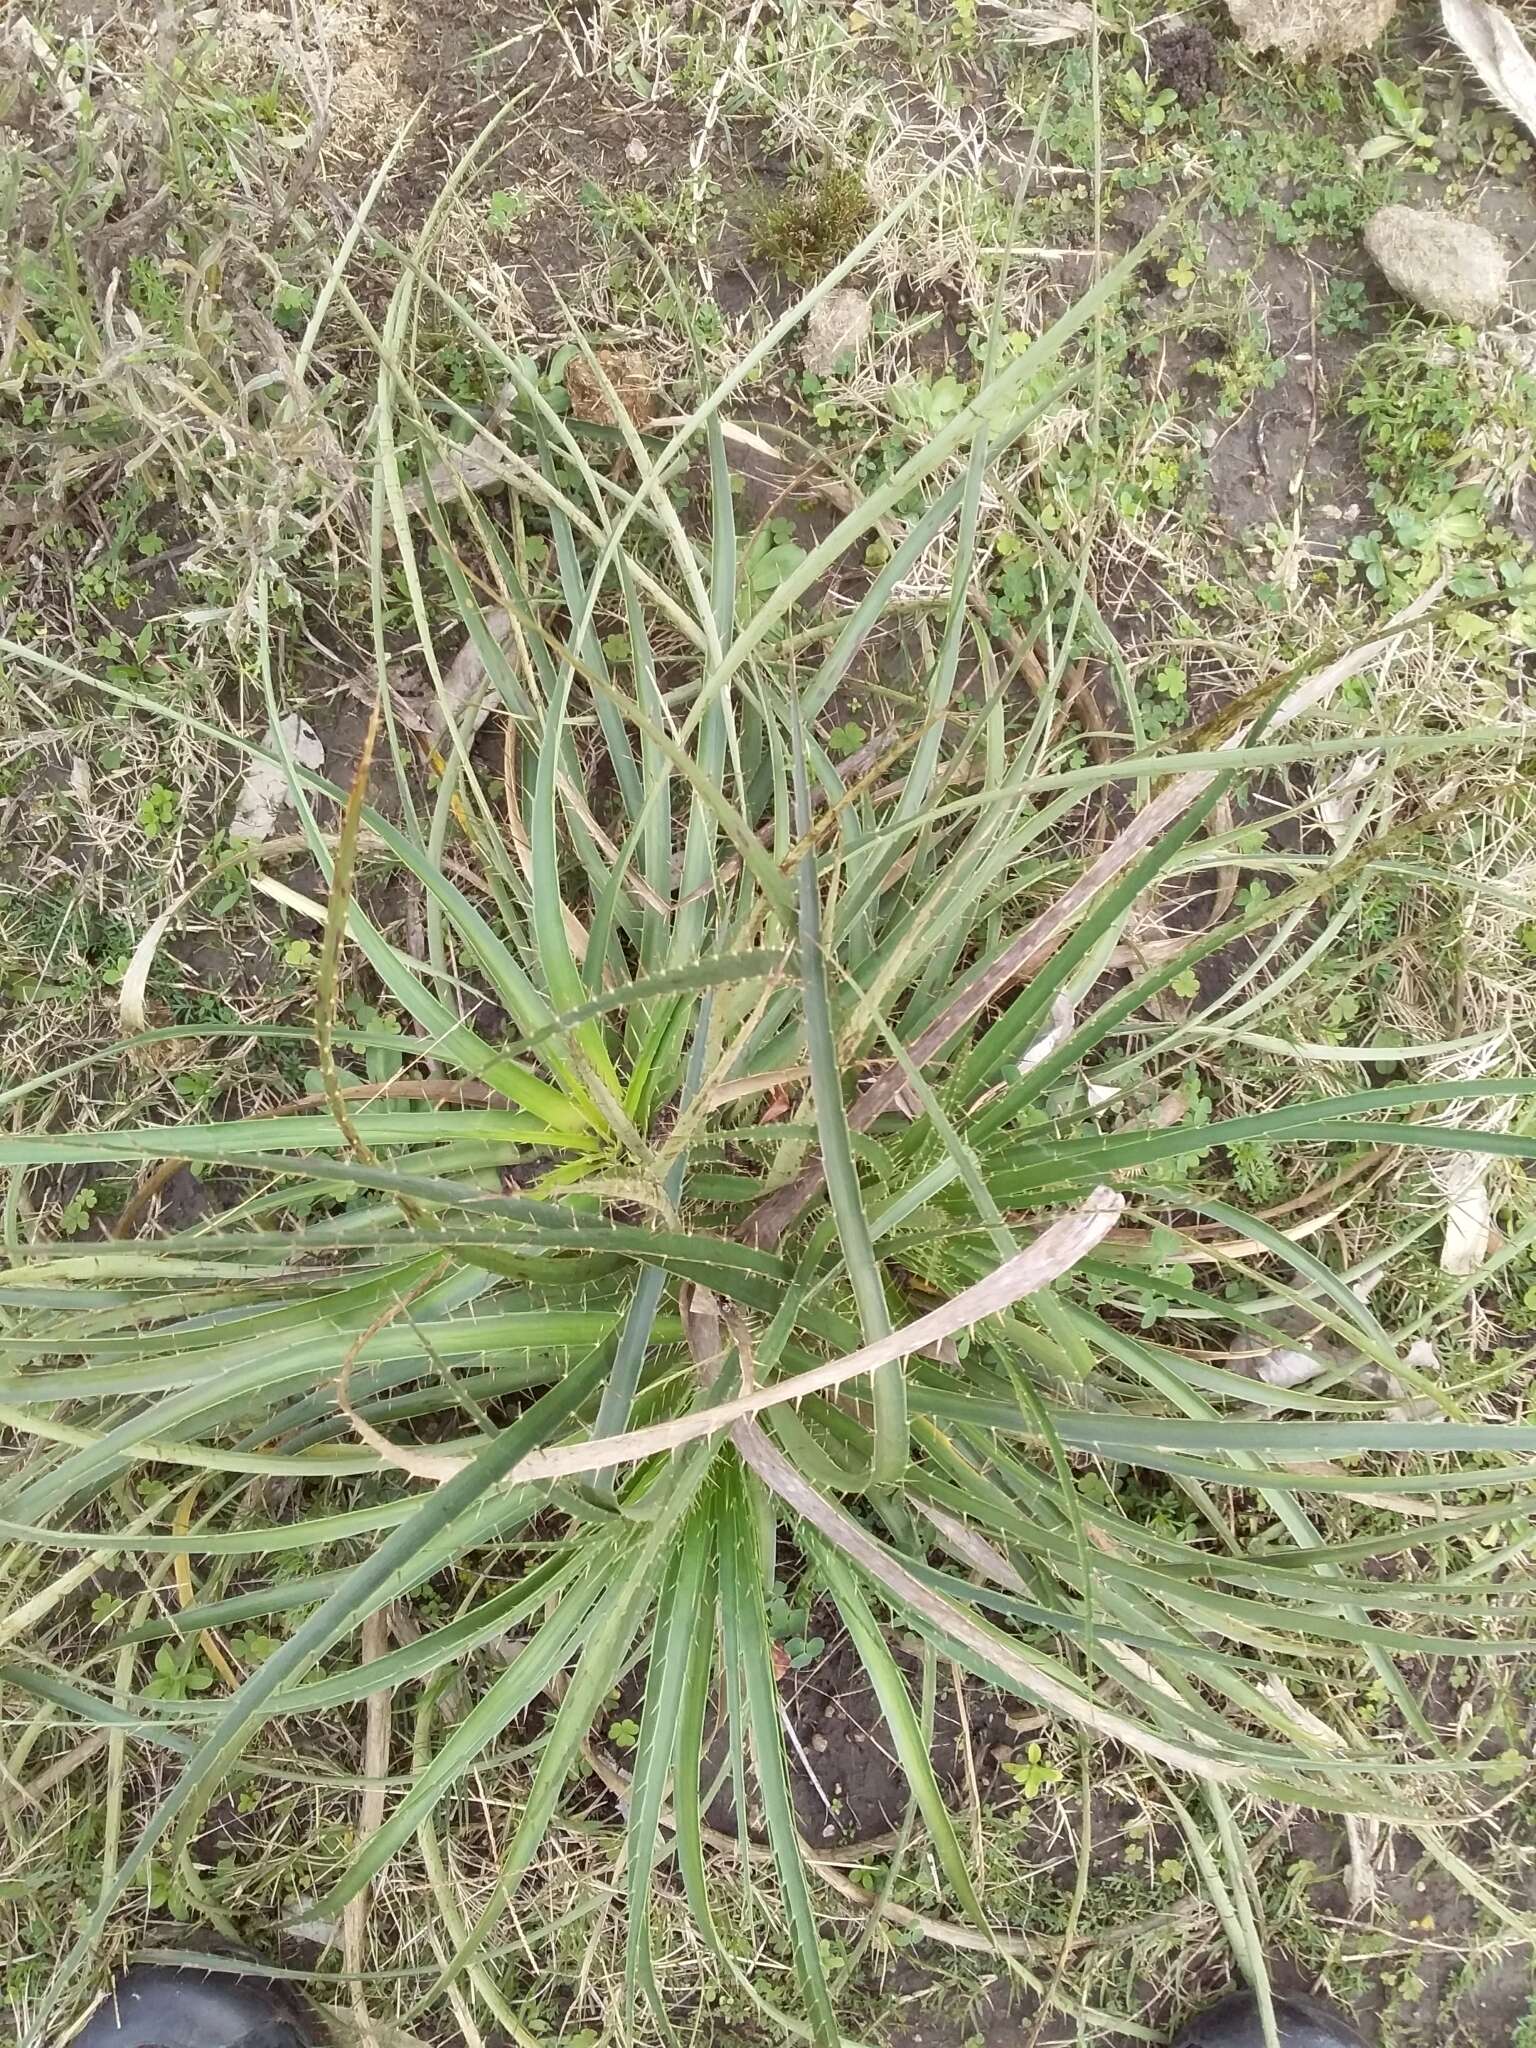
(1447, 266)
(828, 1832)
(835, 328)
(820, 1744)
(635, 151)
(1310, 28)
(829, 1711)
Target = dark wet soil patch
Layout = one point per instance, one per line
(848, 1783)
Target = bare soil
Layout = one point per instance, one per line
(848, 1785)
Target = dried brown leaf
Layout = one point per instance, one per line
(1493, 46)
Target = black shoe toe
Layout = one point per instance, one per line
(1300, 2023)
(160, 2005)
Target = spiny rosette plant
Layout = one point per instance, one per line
(777, 1159)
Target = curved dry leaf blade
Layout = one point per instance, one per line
(1042, 22)
(1058, 1248)
(855, 1542)
(1493, 46)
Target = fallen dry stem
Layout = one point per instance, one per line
(1058, 1248)
(354, 1921)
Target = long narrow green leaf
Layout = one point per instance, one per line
(548, 1650)
(366, 1589)
(888, 1387)
(902, 1722)
(692, 1744)
(747, 1650)
(680, 1611)
(607, 1641)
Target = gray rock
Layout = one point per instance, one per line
(1447, 266)
(834, 329)
(1310, 28)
